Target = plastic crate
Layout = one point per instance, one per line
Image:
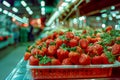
(71, 71)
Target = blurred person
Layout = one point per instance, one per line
(15, 31)
(30, 33)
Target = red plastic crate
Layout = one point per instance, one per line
(71, 71)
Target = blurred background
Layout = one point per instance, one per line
(24, 21)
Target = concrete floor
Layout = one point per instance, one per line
(9, 57)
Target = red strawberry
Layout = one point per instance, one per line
(74, 57)
(116, 49)
(66, 61)
(83, 43)
(108, 29)
(62, 54)
(33, 60)
(84, 59)
(55, 61)
(104, 59)
(59, 42)
(73, 42)
(97, 49)
(79, 50)
(77, 38)
(118, 58)
(51, 50)
(44, 49)
(97, 60)
(69, 35)
(48, 41)
(27, 55)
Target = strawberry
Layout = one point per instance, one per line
(97, 60)
(59, 42)
(55, 61)
(66, 61)
(108, 29)
(97, 49)
(79, 50)
(115, 49)
(83, 43)
(104, 59)
(51, 50)
(33, 60)
(27, 55)
(69, 35)
(118, 58)
(74, 57)
(73, 42)
(48, 41)
(84, 59)
(76, 38)
(62, 54)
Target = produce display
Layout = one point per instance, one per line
(100, 46)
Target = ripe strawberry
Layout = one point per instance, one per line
(62, 54)
(76, 38)
(66, 61)
(33, 60)
(55, 61)
(59, 42)
(79, 50)
(118, 58)
(44, 49)
(104, 59)
(93, 40)
(69, 35)
(74, 57)
(48, 41)
(115, 49)
(83, 43)
(51, 50)
(27, 55)
(73, 43)
(84, 59)
(97, 60)
(108, 29)
(97, 49)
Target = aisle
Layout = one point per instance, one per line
(9, 57)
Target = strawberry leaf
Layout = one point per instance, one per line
(44, 60)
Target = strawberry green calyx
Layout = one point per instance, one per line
(44, 60)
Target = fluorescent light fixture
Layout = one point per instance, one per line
(64, 4)
(42, 3)
(15, 9)
(102, 11)
(112, 7)
(0, 9)
(30, 12)
(6, 3)
(103, 25)
(42, 9)
(97, 18)
(68, 0)
(28, 9)
(75, 21)
(5, 11)
(23, 3)
(10, 14)
(104, 15)
(113, 14)
(73, 1)
(110, 18)
(60, 8)
(43, 13)
(118, 17)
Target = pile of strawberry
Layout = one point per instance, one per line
(71, 48)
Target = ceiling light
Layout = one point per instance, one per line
(102, 11)
(5, 11)
(103, 25)
(112, 7)
(104, 15)
(68, 0)
(30, 12)
(42, 3)
(15, 9)
(23, 3)
(42, 9)
(6, 3)
(64, 4)
(9, 14)
(28, 9)
(118, 17)
(0, 9)
(110, 18)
